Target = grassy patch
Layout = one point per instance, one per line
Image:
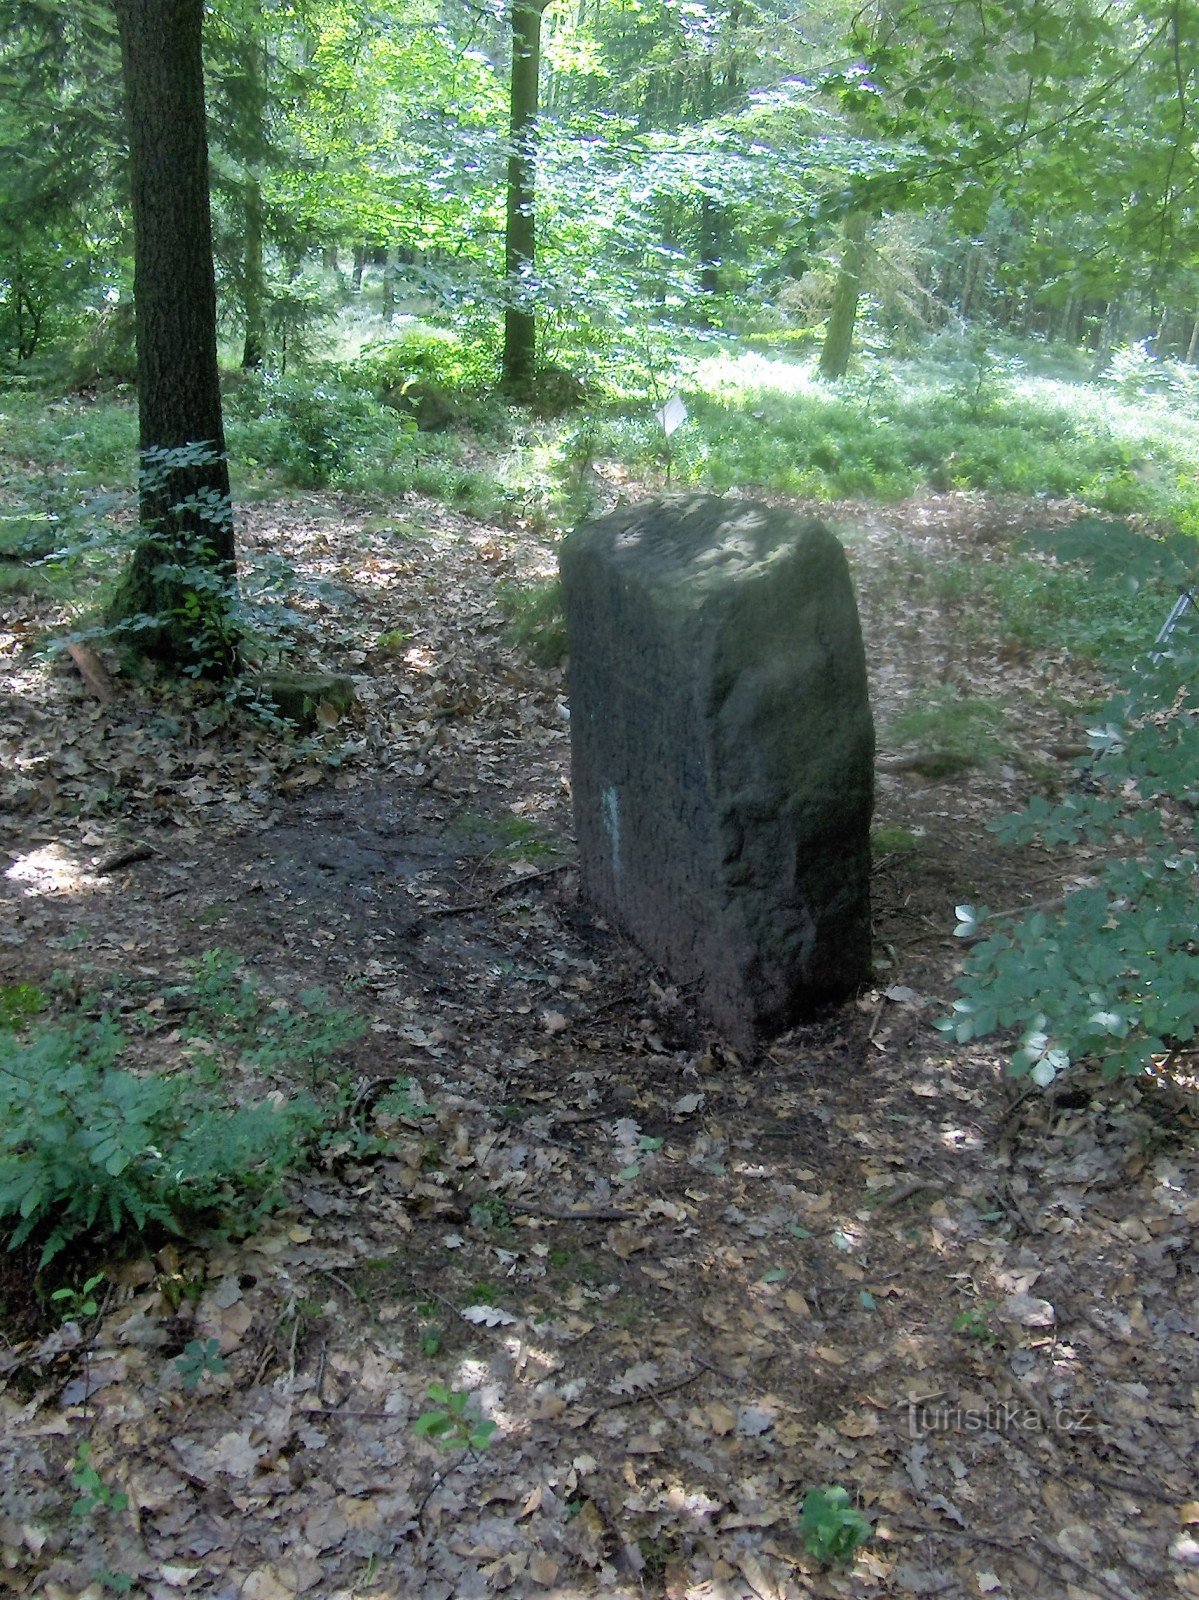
(893, 841)
(963, 731)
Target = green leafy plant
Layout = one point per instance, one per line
(405, 1098)
(19, 1002)
(228, 1010)
(77, 1305)
(536, 620)
(114, 1582)
(91, 1149)
(451, 1424)
(490, 1214)
(93, 1493)
(832, 1529)
(973, 1323)
(1108, 973)
(199, 1356)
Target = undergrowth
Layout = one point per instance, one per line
(94, 1147)
(417, 411)
(1106, 974)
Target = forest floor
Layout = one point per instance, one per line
(688, 1287)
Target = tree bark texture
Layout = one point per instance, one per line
(389, 285)
(838, 340)
(254, 347)
(184, 564)
(520, 237)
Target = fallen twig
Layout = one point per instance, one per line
(124, 858)
(900, 1192)
(493, 895)
(591, 1214)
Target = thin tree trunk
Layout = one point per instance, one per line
(712, 228)
(183, 566)
(1193, 346)
(970, 280)
(520, 240)
(389, 284)
(359, 264)
(1114, 319)
(838, 340)
(254, 348)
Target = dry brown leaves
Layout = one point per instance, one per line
(685, 1287)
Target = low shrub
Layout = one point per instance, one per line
(1107, 974)
(91, 1149)
(313, 433)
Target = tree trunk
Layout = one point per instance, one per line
(178, 585)
(254, 293)
(1193, 347)
(1114, 319)
(712, 229)
(359, 264)
(971, 277)
(838, 340)
(1067, 328)
(520, 239)
(389, 284)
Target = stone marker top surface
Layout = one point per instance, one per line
(705, 540)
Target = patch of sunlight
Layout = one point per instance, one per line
(750, 372)
(49, 870)
(960, 1139)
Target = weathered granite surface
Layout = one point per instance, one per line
(722, 751)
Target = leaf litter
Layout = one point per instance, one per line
(686, 1288)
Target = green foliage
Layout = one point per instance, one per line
(536, 620)
(424, 354)
(89, 1149)
(65, 446)
(312, 432)
(77, 1305)
(405, 1098)
(893, 841)
(19, 1002)
(964, 730)
(228, 1014)
(1109, 976)
(490, 1214)
(94, 1494)
(451, 1424)
(769, 423)
(832, 1529)
(199, 1356)
(974, 1324)
(1114, 552)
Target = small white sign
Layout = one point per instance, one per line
(672, 415)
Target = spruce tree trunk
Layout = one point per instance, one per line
(520, 237)
(254, 292)
(838, 340)
(712, 228)
(971, 277)
(1114, 320)
(183, 568)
